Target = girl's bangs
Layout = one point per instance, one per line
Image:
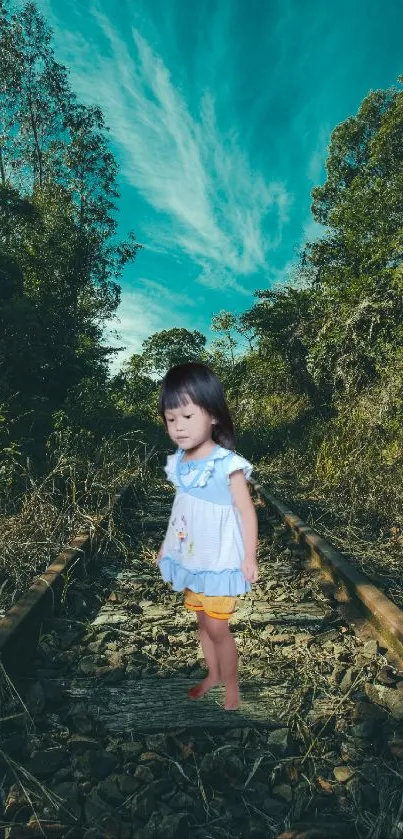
(173, 398)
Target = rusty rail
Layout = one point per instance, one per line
(20, 626)
(378, 609)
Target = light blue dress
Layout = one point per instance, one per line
(203, 548)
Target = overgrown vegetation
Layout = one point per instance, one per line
(70, 498)
(317, 397)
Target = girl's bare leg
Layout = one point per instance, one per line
(221, 656)
(210, 655)
(227, 655)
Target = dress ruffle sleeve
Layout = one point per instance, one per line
(237, 462)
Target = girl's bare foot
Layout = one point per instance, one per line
(232, 699)
(199, 690)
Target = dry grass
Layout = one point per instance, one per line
(49, 510)
(13, 710)
(374, 544)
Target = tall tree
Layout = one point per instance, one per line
(357, 266)
(283, 320)
(58, 206)
(172, 346)
(35, 96)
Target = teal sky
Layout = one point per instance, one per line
(220, 113)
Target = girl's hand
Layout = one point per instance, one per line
(250, 570)
(159, 554)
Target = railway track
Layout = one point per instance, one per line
(105, 742)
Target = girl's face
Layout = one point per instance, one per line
(189, 425)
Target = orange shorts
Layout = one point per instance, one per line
(215, 607)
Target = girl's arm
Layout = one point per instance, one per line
(245, 506)
(160, 552)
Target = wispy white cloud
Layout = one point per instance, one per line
(218, 278)
(213, 206)
(318, 155)
(163, 293)
(280, 276)
(311, 230)
(150, 308)
(139, 315)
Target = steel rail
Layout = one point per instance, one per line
(378, 609)
(20, 626)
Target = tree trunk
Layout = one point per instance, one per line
(2, 169)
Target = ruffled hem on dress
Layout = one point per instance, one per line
(229, 582)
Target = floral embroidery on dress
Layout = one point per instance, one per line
(182, 533)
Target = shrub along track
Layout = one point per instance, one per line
(108, 745)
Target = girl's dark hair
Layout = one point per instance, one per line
(196, 381)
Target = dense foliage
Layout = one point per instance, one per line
(59, 256)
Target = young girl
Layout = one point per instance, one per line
(209, 550)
